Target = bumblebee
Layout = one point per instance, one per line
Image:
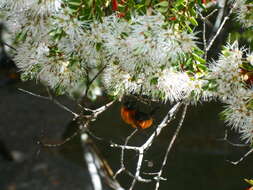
(131, 115)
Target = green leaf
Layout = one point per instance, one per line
(188, 28)
(202, 67)
(162, 4)
(225, 114)
(179, 2)
(193, 21)
(198, 58)
(250, 104)
(247, 66)
(74, 3)
(198, 51)
(98, 46)
(154, 81)
(188, 62)
(162, 10)
(21, 36)
(226, 52)
(147, 2)
(250, 181)
(90, 3)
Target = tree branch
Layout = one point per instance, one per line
(242, 158)
(158, 177)
(141, 149)
(220, 28)
(50, 98)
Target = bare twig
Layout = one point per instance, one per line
(46, 145)
(8, 45)
(158, 177)
(221, 5)
(50, 98)
(93, 79)
(122, 165)
(141, 149)
(33, 94)
(220, 28)
(103, 108)
(225, 138)
(242, 158)
(204, 39)
(134, 148)
(60, 104)
(211, 13)
(216, 34)
(83, 127)
(205, 20)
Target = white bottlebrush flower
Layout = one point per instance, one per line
(250, 58)
(247, 130)
(141, 52)
(144, 41)
(78, 39)
(118, 82)
(36, 7)
(81, 38)
(30, 16)
(175, 85)
(240, 117)
(196, 86)
(29, 55)
(244, 11)
(52, 71)
(16, 5)
(234, 89)
(58, 74)
(226, 72)
(137, 54)
(14, 23)
(46, 7)
(73, 27)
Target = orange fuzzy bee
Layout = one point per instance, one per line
(132, 116)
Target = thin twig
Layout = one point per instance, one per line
(158, 177)
(60, 104)
(33, 94)
(216, 34)
(225, 138)
(205, 20)
(92, 80)
(221, 5)
(50, 98)
(122, 165)
(242, 158)
(204, 39)
(141, 149)
(83, 127)
(211, 13)
(134, 148)
(46, 145)
(8, 45)
(220, 28)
